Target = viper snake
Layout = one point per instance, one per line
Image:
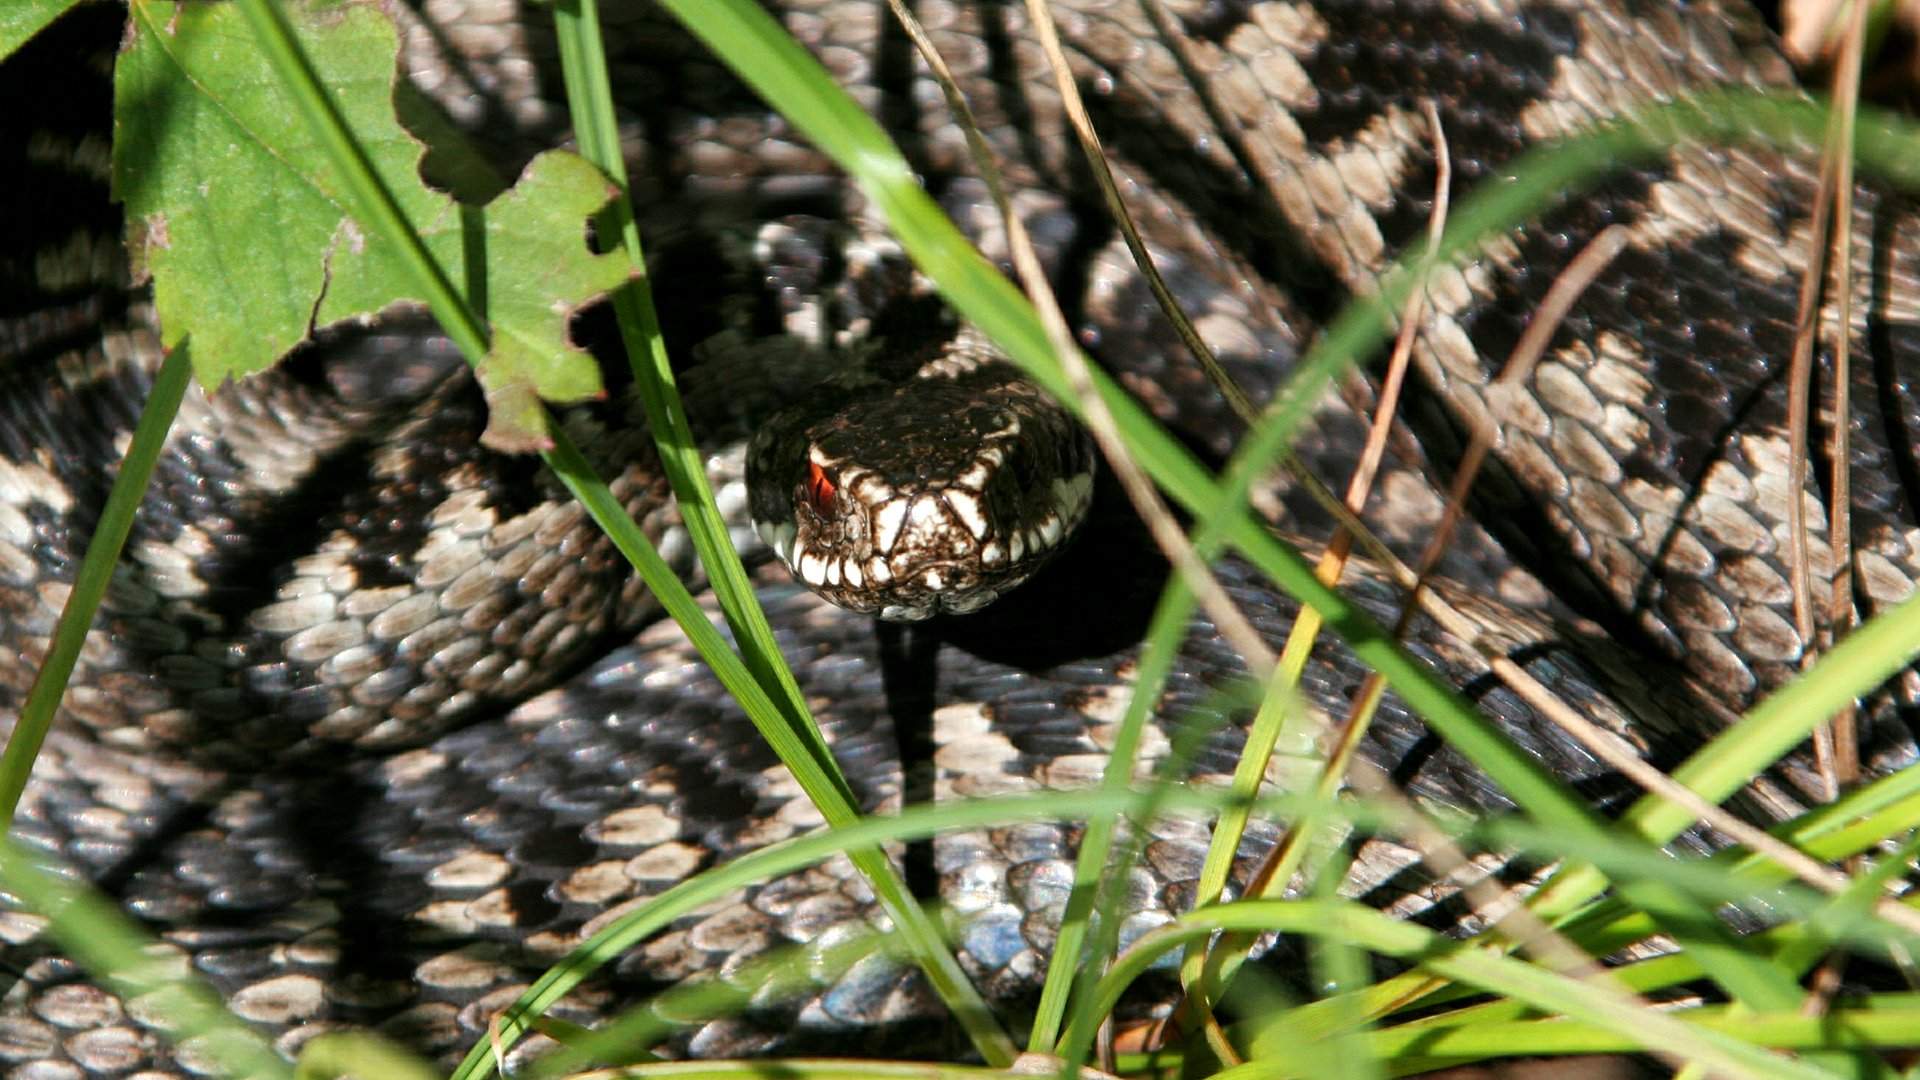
(364, 733)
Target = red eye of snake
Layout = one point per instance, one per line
(819, 489)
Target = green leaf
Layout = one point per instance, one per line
(21, 19)
(539, 272)
(251, 233)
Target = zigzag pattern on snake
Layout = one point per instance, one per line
(344, 813)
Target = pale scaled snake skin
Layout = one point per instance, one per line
(344, 805)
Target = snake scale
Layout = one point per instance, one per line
(361, 806)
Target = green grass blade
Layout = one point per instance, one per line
(1551, 993)
(90, 583)
(1072, 964)
(1886, 808)
(1865, 659)
(1887, 1025)
(584, 62)
(91, 930)
(1862, 661)
(787, 856)
(1850, 908)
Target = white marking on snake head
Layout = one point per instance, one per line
(975, 478)
(852, 570)
(1017, 547)
(967, 509)
(1050, 531)
(878, 570)
(925, 513)
(932, 580)
(867, 486)
(833, 572)
(992, 553)
(812, 568)
(887, 524)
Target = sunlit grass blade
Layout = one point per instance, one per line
(138, 968)
(90, 582)
(1881, 1023)
(1864, 660)
(1854, 907)
(1076, 961)
(768, 863)
(589, 98)
(911, 823)
(1551, 993)
(1885, 808)
(1855, 665)
(583, 61)
(1103, 898)
(1867, 658)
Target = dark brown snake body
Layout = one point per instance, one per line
(331, 801)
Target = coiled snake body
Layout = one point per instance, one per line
(302, 762)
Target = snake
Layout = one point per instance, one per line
(375, 726)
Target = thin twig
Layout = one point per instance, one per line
(1166, 532)
(1799, 417)
(1446, 859)
(1567, 288)
(1096, 158)
(1840, 613)
(1843, 728)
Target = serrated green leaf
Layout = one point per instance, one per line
(540, 226)
(250, 233)
(232, 206)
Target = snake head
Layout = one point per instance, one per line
(929, 491)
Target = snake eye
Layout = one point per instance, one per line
(820, 490)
